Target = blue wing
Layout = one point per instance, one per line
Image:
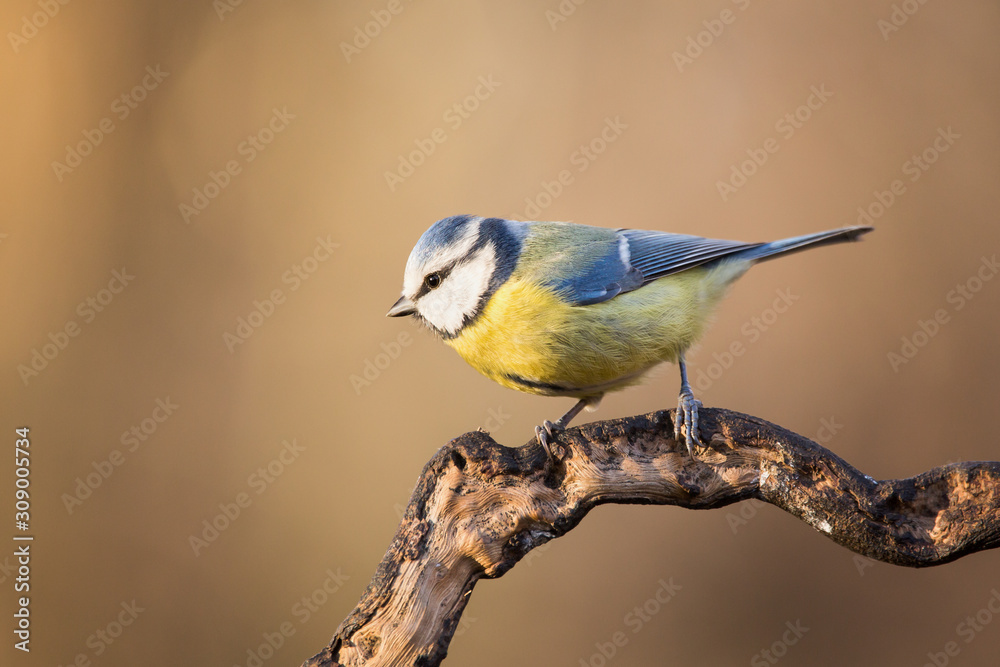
(659, 254)
(583, 264)
(592, 264)
(595, 264)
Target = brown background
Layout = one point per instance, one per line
(335, 507)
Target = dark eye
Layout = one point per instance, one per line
(432, 280)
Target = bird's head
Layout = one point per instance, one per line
(455, 268)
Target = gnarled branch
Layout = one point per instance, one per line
(479, 507)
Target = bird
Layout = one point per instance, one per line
(566, 309)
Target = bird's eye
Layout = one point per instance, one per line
(432, 280)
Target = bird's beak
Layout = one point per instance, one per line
(402, 307)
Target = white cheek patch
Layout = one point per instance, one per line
(448, 306)
(417, 266)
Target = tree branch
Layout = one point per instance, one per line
(479, 507)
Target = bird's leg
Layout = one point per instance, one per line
(687, 411)
(549, 430)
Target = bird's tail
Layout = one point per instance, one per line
(767, 251)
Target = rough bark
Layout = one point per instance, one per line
(479, 507)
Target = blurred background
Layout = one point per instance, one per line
(208, 207)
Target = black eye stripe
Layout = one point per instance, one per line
(442, 274)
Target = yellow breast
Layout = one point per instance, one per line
(529, 339)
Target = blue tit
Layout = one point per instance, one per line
(562, 309)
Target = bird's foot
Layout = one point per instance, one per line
(686, 421)
(546, 434)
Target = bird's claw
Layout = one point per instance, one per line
(546, 434)
(686, 421)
